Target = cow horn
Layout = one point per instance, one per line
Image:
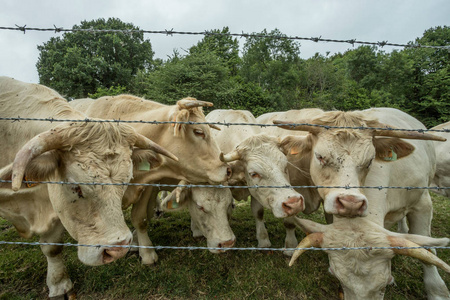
(188, 103)
(232, 156)
(41, 143)
(145, 143)
(311, 240)
(313, 129)
(406, 134)
(213, 126)
(420, 253)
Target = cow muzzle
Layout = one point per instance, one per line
(293, 205)
(226, 244)
(111, 254)
(349, 205)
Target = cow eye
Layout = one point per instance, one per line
(199, 132)
(370, 163)
(77, 190)
(321, 159)
(201, 208)
(254, 175)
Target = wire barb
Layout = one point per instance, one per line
(241, 35)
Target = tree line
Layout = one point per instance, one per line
(267, 75)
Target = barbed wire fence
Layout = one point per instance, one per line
(172, 32)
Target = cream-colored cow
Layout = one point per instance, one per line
(344, 158)
(198, 153)
(257, 159)
(442, 175)
(69, 152)
(210, 210)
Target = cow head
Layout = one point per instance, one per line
(263, 159)
(192, 143)
(343, 157)
(364, 274)
(210, 210)
(85, 153)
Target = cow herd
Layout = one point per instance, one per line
(347, 153)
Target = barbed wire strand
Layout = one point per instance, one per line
(87, 120)
(221, 186)
(172, 32)
(216, 248)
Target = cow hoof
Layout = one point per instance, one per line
(150, 265)
(288, 253)
(149, 259)
(70, 295)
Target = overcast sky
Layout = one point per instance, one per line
(395, 21)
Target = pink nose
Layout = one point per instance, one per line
(351, 205)
(111, 254)
(293, 205)
(227, 244)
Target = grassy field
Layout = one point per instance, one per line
(199, 274)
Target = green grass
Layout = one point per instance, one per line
(199, 274)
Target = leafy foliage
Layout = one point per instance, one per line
(268, 75)
(81, 61)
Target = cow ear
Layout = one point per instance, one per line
(293, 144)
(176, 200)
(38, 169)
(308, 226)
(180, 116)
(144, 159)
(391, 149)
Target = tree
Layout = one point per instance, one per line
(201, 75)
(273, 63)
(223, 46)
(83, 62)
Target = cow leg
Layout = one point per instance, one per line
(261, 232)
(59, 284)
(291, 239)
(139, 219)
(420, 223)
(402, 226)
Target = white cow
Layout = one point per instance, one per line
(257, 159)
(210, 210)
(442, 176)
(381, 158)
(193, 144)
(69, 152)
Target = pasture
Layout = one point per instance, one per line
(199, 274)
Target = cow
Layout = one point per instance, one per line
(210, 210)
(72, 152)
(347, 159)
(198, 153)
(365, 273)
(257, 159)
(442, 175)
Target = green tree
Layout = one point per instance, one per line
(273, 63)
(429, 97)
(201, 75)
(83, 62)
(223, 46)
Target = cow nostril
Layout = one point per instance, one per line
(107, 258)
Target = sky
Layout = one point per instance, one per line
(395, 21)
